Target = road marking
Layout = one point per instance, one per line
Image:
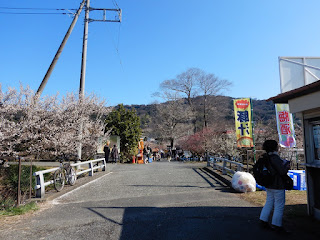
(56, 201)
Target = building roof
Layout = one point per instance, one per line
(298, 92)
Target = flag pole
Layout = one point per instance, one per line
(254, 145)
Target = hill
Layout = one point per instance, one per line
(263, 111)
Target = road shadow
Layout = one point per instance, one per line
(194, 223)
(213, 182)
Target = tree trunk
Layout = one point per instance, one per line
(171, 143)
(205, 111)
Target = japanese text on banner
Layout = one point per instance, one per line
(285, 126)
(243, 120)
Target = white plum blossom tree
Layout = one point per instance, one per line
(50, 125)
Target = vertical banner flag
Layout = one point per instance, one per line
(285, 126)
(243, 120)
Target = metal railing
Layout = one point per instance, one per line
(220, 164)
(41, 184)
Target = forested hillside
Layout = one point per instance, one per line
(263, 111)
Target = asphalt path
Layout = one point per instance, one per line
(160, 200)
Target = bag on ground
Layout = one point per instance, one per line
(243, 182)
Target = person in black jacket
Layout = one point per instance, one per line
(115, 154)
(276, 190)
(106, 150)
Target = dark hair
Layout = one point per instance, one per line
(270, 146)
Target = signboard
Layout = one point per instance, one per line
(296, 72)
(243, 122)
(285, 126)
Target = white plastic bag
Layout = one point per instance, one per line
(243, 182)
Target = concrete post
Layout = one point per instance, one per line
(224, 172)
(40, 182)
(91, 167)
(104, 163)
(214, 163)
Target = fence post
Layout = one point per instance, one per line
(239, 168)
(30, 182)
(19, 183)
(104, 162)
(214, 163)
(40, 181)
(91, 167)
(224, 172)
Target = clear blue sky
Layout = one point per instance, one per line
(236, 40)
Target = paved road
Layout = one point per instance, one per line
(160, 200)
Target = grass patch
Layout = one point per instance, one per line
(293, 197)
(12, 211)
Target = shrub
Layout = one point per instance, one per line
(9, 183)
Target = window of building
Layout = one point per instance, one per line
(316, 140)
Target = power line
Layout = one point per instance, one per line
(32, 13)
(115, 3)
(50, 9)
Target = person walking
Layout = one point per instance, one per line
(115, 154)
(106, 150)
(276, 190)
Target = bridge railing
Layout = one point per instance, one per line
(92, 166)
(225, 165)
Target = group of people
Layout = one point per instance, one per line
(113, 153)
(148, 153)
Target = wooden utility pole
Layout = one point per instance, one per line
(56, 57)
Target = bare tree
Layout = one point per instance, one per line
(210, 85)
(195, 82)
(184, 84)
(171, 122)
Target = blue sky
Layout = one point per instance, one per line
(236, 40)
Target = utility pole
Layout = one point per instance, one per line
(84, 51)
(56, 57)
(83, 72)
(84, 56)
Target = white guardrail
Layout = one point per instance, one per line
(224, 169)
(40, 184)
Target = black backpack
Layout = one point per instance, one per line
(262, 173)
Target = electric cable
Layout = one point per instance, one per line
(23, 11)
(50, 9)
(116, 46)
(115, 3)
(31, 13)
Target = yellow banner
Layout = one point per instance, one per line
(243, 120)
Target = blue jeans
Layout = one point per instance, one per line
(276, 199)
